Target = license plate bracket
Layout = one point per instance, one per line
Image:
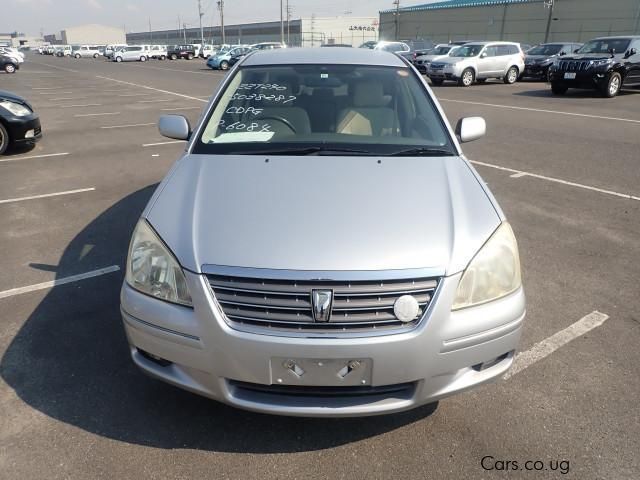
(347, 372)
(570, 76)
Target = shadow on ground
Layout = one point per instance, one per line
(70, 361)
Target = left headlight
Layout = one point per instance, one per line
(152, 269)
(15, 108)
(493, 273)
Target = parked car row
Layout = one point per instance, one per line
(606, 64)
(229, 56)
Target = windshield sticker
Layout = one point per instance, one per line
(262, 86)
(261, 97)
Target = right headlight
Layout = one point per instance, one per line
(152, 269)
(493, 273)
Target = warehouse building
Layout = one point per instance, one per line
(528, 21)
(92, 35)
(309, 32)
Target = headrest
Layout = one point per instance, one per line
(369, 94)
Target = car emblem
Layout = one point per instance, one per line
(321, 302)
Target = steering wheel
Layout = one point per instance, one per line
(280, 119)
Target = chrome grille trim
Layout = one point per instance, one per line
(266, 301)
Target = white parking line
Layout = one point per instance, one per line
(155, 101)
(65, 98)
(174, 70)
(80, 106)
(557, 180)
(15, 159)
(557, 112)
(60, 281)
(554, 342)
(96, 114)
(518, 175)
(46, 88)
(134, 94)
(55, 93)
(132, 125)
(179, 108)
(152, 88)
(162, 143)
(46, 195)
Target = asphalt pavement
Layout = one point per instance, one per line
(566, 171)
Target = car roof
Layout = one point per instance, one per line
(490, 43)
(324, 56)
(619, 37)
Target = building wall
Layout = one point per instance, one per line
(345, 30)
(234, 34)
(93, 34)
(578, 20)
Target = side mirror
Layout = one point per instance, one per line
(631, 53)
(563, 54)
(483, 55)
(174, 126)
(471, 128)
(576, 50)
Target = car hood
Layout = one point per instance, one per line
(323, 213)
(451, 60)
(589, 56)
(538, 58)
(12, 97)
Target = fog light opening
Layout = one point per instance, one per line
(154, 358)
(491, 363)
(30, 133)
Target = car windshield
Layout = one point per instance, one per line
(366, 110)
(392, 47)
(441, 50)
(467, 51)
(605, 46)
(547, 50)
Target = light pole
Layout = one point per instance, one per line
(281, 23)
(551, 4)
(221, 7)
(397, 4)
(201, 14)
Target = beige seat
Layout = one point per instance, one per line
(369, 114)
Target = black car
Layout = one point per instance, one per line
(606, 64)
(19, 124)
(8, 64)
(181, 51)
(539, 59)
(237, 57)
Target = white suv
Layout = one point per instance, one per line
(131, 54)
(479, 61)
(87, 51)
(159, 52)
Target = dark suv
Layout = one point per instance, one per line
(181, 51)
(538, 60)
(606, 64)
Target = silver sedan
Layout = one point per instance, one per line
(323, 247)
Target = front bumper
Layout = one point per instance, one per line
(536, 71)
(197, 350)
(590, 79)
(23, 130)
(447, 73)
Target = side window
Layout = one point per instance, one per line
(491, 51)
(513, 50)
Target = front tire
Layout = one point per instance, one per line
(512, 76)
(224, 65)
(143, 58)
(163, 57)
(559, 88)
(613, 85)
(118, 59)
(9, 68)
(189, 57)
(174, 56)
(77, 55)
(467, 78)
(4, 139)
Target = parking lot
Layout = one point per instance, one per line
(72, 405)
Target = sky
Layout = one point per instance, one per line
(50, 16)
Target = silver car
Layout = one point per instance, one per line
(479, 61)
(323, 247)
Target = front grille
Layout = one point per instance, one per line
(401, 390)
(573, 66)
(437, 65)
(286, 304)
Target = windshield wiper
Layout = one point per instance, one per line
(303, 151)
(418, 151)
